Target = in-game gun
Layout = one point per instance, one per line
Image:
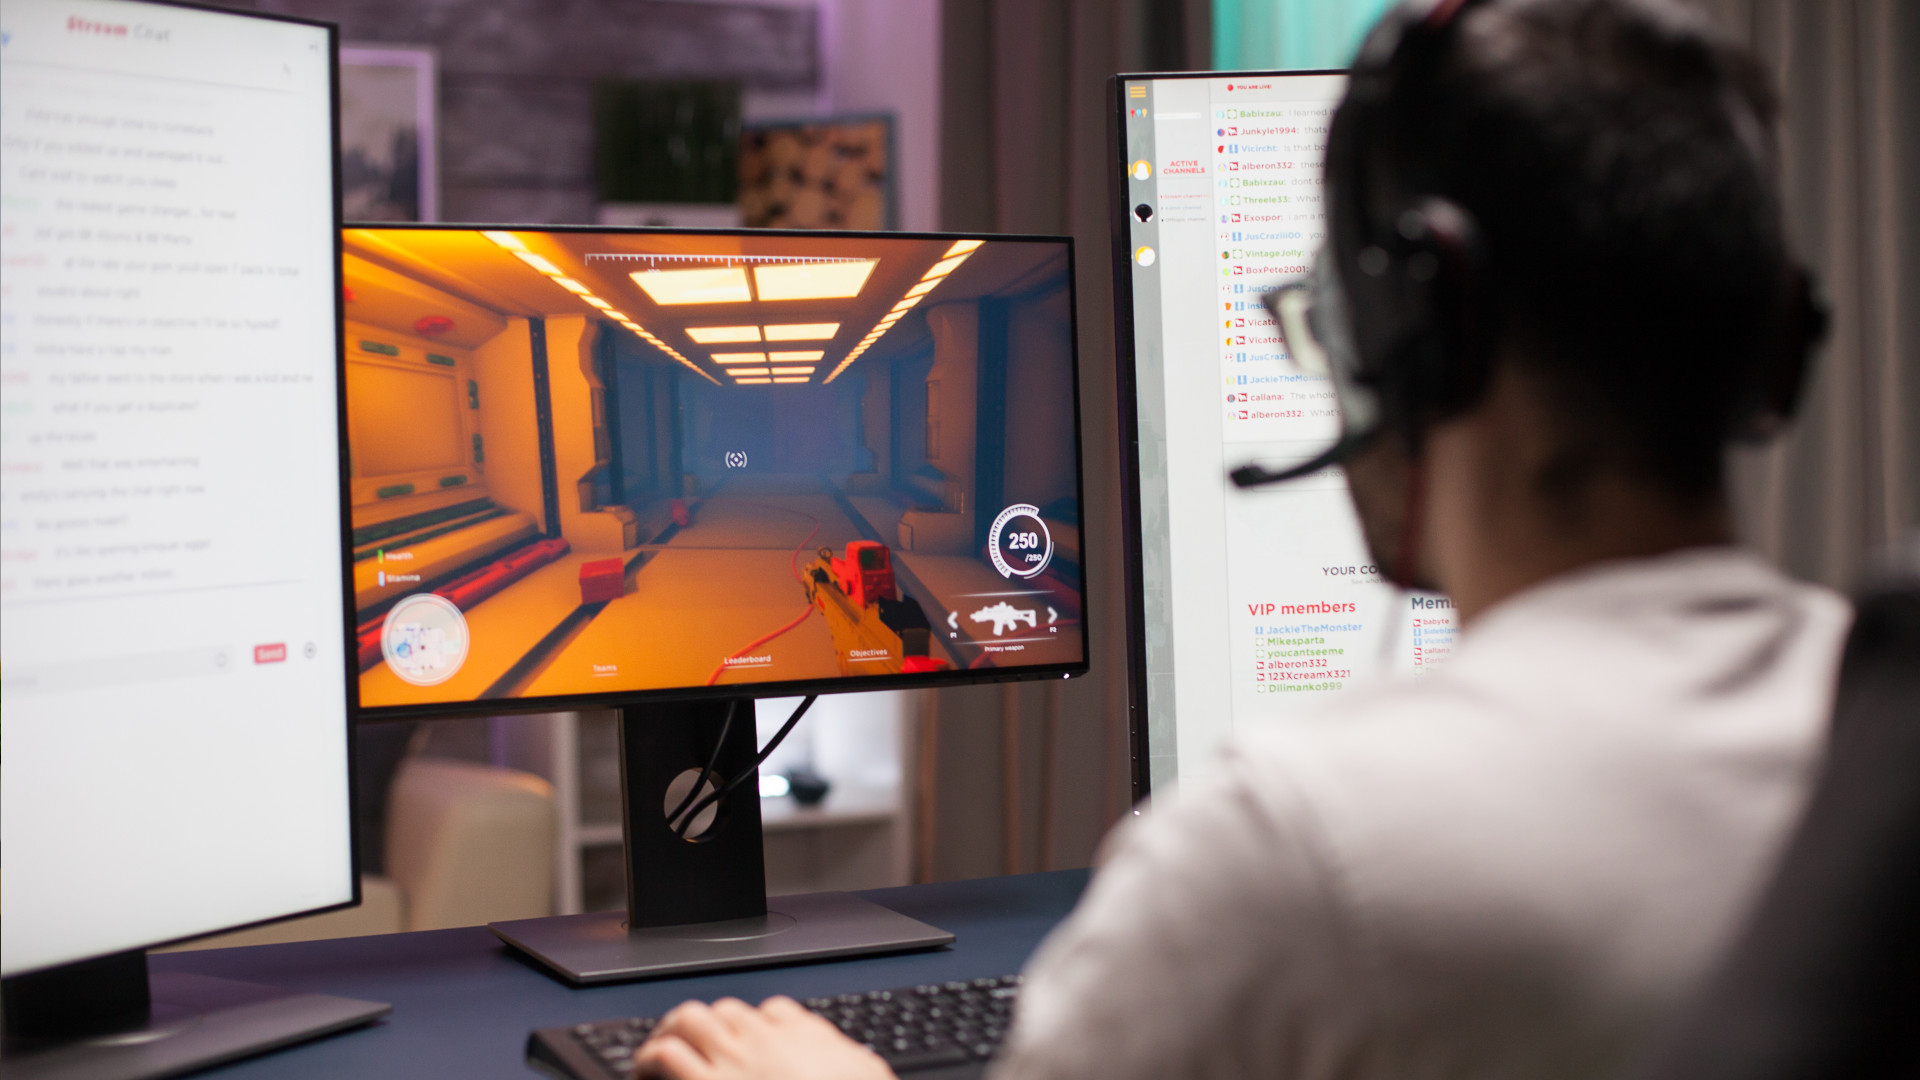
(875, 630)
(1005, 617)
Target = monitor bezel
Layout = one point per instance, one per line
(348, 644)
(787, 688)
(1133, 567)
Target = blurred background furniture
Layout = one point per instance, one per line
(855, 838)
(465, 844)
(515, 817)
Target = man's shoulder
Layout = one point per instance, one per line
(1531, 810)
(1408, 723)
(1628, 659)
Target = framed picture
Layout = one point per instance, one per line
(388, 103)
(831, 173)
(666, 152)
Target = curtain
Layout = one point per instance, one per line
(1842, 489)
(1029, 776)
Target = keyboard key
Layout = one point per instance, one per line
(901, 1061)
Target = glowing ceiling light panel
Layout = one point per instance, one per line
(597, 302)
(506, 240)
(813, 281)
(923, 288)
(808, 370)
(723, 335)
(963, 247)
(572, 286)
(739, 358)
(791, 380)
(746, 371)
(753, 382)
(943, 268)
(705, 285)
(815, 331)
(801, 356)
(538, 263)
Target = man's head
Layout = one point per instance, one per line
(1574, 202)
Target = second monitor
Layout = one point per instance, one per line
(1251, 607)
(611, 465)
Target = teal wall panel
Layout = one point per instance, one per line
(1290, 34)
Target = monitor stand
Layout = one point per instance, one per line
(700, 903)
(106, 1019)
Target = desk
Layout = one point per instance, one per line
(463, 1003)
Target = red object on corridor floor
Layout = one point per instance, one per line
(602, 579)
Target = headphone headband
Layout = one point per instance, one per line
(1411, 270)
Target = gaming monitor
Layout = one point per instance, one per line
(670, 471)
(174, 642)
(1247, 606)
(608, 467)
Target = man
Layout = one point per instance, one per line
(1555, 287)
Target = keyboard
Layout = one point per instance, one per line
(952, 1027)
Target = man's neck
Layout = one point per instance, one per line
(1617, 522)
(1493, 529)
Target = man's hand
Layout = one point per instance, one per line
(732, 1040)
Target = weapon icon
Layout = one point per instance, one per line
(1005, 617)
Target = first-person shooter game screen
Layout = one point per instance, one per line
(601, 462)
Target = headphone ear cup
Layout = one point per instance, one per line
(1443, 264)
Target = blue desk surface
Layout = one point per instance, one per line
(463, 1003)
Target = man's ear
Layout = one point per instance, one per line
(1382, 478)
(1798, 333)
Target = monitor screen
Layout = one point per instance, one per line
(600, 465)
(174, 641)
(1251, 605)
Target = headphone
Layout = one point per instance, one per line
(1412, 285)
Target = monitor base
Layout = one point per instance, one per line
(599, 948)
(195, 1021)
(697, 900)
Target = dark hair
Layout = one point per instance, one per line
(1618, 157)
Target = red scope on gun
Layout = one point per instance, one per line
(866, 574)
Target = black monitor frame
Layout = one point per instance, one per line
(105, 1011)
(789, 688)
(348, 670)
(1127, 390)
